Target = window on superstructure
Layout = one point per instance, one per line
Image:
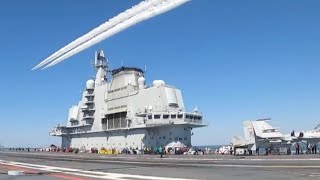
(166, 116)
(187, 116)
(199, 117)
(185, 138)
(180, 139)
(164, 137)
(191, 117)
(74, 123)
(180, 116)
(173, 116)
(157, 116)
(149, 116)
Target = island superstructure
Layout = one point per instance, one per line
(122, 112)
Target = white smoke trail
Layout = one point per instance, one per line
(153, 11)
(143, 6)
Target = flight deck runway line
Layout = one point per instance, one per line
(139, 158)
(182, 164)
(256, 166)
(28, 171)
(44, 167)
(244, 159)
(10, 167)
(83, 173)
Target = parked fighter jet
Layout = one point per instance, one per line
(260, 134)
(311, 136)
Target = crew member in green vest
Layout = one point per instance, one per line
(161, 151)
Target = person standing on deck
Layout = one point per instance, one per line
(161, 151)
(297, 148)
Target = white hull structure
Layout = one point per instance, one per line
(125, 113)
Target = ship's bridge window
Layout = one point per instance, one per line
(191, 116)
(174, 105)
(180, 116)
(199, 117)
(74, 123)
(149, 116)
(187, 116)
(165, 116)
(157, 116)
(270, 130)
(173, 116)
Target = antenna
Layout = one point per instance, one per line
(145, 68)
(265, 119)
(96, 58)
(92, 63)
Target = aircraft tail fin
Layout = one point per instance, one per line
(238, 141)
(249, 134)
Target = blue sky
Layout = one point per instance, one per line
(235, 60)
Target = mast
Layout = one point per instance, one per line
(101, 65)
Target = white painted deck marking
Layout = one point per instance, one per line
(83, 173)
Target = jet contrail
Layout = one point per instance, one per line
(143, 6)
(153, 11)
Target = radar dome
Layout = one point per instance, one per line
(141, 82)
(158, 83)
(90, 84)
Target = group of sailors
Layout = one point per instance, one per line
(298, 148)
(162, 150)
(311, 148)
